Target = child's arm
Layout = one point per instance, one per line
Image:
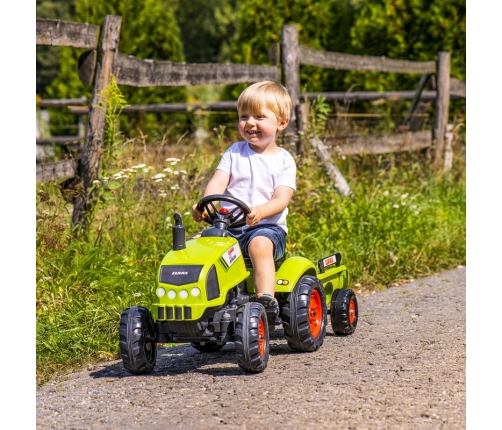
(217, 185)
(280, 200)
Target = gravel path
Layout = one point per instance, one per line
(404, 367)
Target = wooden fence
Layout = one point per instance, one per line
(103, 58)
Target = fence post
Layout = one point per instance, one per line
(89, 162)
(291, 71)
(442, 104)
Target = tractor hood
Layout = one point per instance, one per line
(198, 276)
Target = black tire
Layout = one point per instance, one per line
(344, 312)
(304, 328)
(137, 347)
(251, 337)
(207, 347)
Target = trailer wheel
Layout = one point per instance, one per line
(251, 337)
(137, 340)
(344, 312)
(207, 346)
(304, 315)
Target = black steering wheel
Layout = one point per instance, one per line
(234, 218)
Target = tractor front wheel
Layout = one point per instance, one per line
(137, 340)
(251, 337)
(344, 312)
(207, 346)
(304, 315)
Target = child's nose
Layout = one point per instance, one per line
(251, 120)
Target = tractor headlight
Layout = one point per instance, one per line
(195, 292)
(171, 294)
(183, 294)
(161, 292)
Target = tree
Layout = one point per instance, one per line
(322, 25)
(206, 28)
(148, 30)
(47, 57)
(408, 29)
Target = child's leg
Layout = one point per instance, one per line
(261, 252)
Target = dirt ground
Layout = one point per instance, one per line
(403, 368)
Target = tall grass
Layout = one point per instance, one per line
(403, 221)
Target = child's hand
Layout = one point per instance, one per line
(254, 217)
(196, 215)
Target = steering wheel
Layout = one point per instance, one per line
(234, 218)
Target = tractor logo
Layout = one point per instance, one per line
(231, 255)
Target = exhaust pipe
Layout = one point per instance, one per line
(178, 234)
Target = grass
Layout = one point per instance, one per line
(403, 221)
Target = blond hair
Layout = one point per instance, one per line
(270, 95)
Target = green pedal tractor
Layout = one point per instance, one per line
(206, 297)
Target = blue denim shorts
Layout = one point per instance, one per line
(275, 233)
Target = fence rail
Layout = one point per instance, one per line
(63, 33)
(339, 61)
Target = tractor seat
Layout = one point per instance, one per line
(249, 265)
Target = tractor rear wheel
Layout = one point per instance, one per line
(207, 346)
(251, 337)
(344, 312)
(137, 340)
(304, 315)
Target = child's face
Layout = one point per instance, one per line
(260, 129)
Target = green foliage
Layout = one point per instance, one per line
(403, 29)
(148, 31)
(408, 29)
(206, 28)
(115, 102)
(47, 57)
(322, 25)
(318, 116)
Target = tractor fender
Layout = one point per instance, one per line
(291, 271)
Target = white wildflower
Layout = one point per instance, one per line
(105, 178)
(147, 169)
(168, 170)
(172, 160)
(158, 180)
(96, 182)
(137, 294)
(403, 203)
(414, 207)
(169, 225)
(162, 195)
(416, 212)
(176, 172)
(386, 193)
(403, 196)
(183, 171)
(186, 213)
(175, 187)
(395, 206)
(173, 163)
(159, 176)
(139, 166)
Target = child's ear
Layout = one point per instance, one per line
(283, 123)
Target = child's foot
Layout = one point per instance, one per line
(268, 301)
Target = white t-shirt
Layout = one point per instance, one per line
(254, 177)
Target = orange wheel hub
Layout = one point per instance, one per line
(352, 311)
(261, 337)
(315, 313)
